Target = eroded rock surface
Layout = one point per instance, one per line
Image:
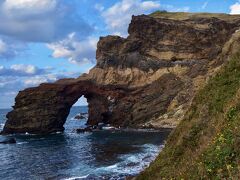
(149, 78)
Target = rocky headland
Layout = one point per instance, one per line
(148, 79)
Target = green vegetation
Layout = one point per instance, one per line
(221, 159)
(206, 145)
(184, 15)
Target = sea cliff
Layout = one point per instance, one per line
(205, 145)
(148, 79)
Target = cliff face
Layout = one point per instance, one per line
(205, 145)
(149, 78)
(156, 46)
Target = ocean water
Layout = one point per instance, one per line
(97, 155)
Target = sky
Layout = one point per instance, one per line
(45, 40)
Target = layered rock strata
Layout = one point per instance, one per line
(146, 79)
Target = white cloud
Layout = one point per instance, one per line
(40, 20)
(3, 47)
(119, 15)
(99, 7)
(36, 80)
(235, 8)
(46, 78)
(28, 69)
(149, 5)
(204, 5)
(48, 21)
(172, 8)
(22, 76)
(12, 81)
(29, 6)
(21, 70)
(75, 50)
(11, 48)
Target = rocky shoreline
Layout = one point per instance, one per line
(148, 127)
(107, 127)
(149, 81)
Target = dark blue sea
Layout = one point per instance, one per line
(97, 155)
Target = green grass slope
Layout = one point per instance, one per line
(206, 144)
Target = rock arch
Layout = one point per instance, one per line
(149, 77)
(44, 109)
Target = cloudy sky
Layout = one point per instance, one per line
(44, 40)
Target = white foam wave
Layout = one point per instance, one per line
(19, 143)
(75, 178)
(134, 163)
(1, 125)
(58, 132)
(111, 167)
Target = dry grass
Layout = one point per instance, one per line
(184, 15)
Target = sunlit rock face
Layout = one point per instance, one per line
(147, 79)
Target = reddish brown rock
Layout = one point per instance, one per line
(149, 78)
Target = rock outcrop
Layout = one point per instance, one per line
(205, 145)
(148, 78)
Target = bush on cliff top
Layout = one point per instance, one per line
(206, 145)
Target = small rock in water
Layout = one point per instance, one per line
(87, 129)
(78, 117)
(81, 116)
(8, 141)
(131, 164)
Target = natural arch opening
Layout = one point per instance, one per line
(58, 106)
(78, 115)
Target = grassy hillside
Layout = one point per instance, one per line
(206, 145)
(184, 15)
